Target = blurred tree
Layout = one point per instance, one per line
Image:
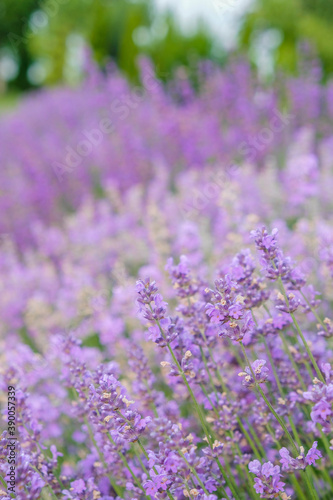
(111, 32)
(14, 35)
(174, 49)
(106, 25)
(117, 29)
(296, 20)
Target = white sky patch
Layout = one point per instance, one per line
(222, 16)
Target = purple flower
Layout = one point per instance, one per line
(181, 277)
(313, 454)
(266, 243)
(321, 411)
(236, 331)
(78, 486)
(255, 467)
(286, 460)
(251, 287)
(160, 478)
(236, 311)
(289, 463)
(226, 305)
(276, 265)
(150, 488)
(322, 396)
(215, 314)
(267, 481)
(171, 463)
(259, 370)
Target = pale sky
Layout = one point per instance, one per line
(221, 15)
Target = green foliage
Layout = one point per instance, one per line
(110, 29)
(106, 26)
(176, 50)
(296, 20)
(120, 30)
(14, 16)
(93, 341)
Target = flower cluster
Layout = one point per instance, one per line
(257, 374)
(302, 461)
(227, 309)
(321, 394)
(267, 481)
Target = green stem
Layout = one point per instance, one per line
(53, 495)
(278, 383)
(208, 371)
(241, 470)
(140, 461)
(271, 432)
(202, 420)
(126, 464)
(193, 472)
(154, 469)
(299, 331)
(281, 422)
(196, 404)
(297, 487)
(291, 422)
(153, 406)
(255, 437)
(293, 479)
(293, 428)
(45, 494)
(293, 362)
(309, 483)
(4, 484)
(224, 387)
(249, 439)
(328, 477)
(143, 450)
(308, 368)
(235, 353)
(210, 401)
(91, 434)
(327, 446)
(188, 490)
(268, 352)
(231, 435)
(314, 312)
(308, 350)
(246, 434)
(201, 416)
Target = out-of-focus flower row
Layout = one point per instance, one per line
(63, 144)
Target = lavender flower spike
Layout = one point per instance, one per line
(260, 371)
(267, 481)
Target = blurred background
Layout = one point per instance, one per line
(42, 42)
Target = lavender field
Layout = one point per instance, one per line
(166, 286)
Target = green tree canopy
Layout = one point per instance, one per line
(296, 20)
(44, 32)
